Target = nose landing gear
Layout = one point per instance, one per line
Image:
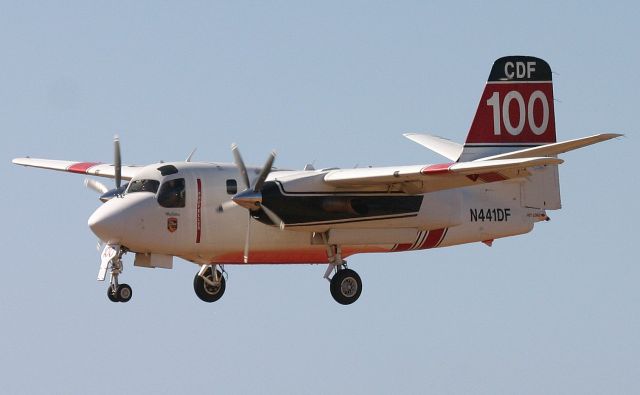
(119, 293)
(112, 262)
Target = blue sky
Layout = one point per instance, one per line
(334, 83)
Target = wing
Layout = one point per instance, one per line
(90, 168)
(420, 179)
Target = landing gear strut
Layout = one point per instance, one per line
(345, 285)
(112, 261)
(209, 283)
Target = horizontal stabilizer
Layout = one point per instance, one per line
(553, 148)
(439, 145)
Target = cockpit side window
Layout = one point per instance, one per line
(143, 186)
(172, 193)
(232, 187)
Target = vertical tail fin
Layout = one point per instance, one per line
(515, 110)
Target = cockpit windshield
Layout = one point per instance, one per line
(143, 186)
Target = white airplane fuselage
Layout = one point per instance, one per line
(198, 232)
(499, 183)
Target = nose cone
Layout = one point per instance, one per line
(107, 222)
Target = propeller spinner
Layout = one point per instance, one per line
(251, 197)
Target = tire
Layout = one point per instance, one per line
(346, 286)
(206, 292)
(124, 293)
(112, 296)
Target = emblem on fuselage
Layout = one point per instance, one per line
(172, 224)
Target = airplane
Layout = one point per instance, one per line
(499, 183)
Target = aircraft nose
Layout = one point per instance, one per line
(107, 223)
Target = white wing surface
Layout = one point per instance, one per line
(437, 177)
(90, 168)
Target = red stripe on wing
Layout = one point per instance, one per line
(437, 169)
(81, 167)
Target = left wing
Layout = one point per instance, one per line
(437, 177)
(90, 168)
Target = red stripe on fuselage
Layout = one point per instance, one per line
(198, 211)
(81, 167)
(433, 238)
(401, 247)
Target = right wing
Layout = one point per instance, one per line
(421, 179)
(90, 168)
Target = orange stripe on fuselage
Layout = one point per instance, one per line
(290, 256)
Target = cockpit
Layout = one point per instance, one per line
(171, 194)
(143, 186)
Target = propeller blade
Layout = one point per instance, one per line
(96, 186)
(246, 241)
(117, 161)
(229, 204)
(237, 158)
(273, 217)
(266, 169)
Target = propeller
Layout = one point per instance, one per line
(96, 186)
(251, 197)
(117, 161)
(106, 193)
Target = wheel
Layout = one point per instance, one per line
(207, 292)
(346, 286)
(124, 293)
(111, 295)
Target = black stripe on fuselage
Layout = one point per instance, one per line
(327, 208)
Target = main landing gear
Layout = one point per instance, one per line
(345, 285)
(209, 283)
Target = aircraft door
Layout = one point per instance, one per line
(176, 198)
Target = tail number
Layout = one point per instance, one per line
(490, 214)
(525, 112)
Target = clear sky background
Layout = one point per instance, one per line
(555, 311)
